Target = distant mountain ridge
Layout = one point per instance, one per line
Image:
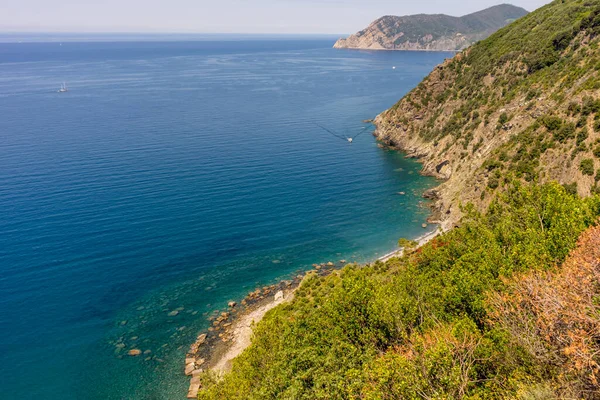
(432, 32)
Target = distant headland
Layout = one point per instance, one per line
(436, 32)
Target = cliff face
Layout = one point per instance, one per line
(431, 32)
(524, 103)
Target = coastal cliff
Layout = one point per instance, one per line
(522, 104)
(502, 305)
(431, 32)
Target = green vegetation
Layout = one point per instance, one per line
(393, 31)
(535, 83)
(587, 166)
(491, 309)
(420, 326)
(417, 27)
(407, 244)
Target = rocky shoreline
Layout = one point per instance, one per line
(442, 212)
(365, 48)
(421, 241)
(231, 329)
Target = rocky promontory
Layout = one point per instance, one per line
(431, 32)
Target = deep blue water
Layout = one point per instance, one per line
(179, 175)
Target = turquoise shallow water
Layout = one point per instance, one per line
(179, 175)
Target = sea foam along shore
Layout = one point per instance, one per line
(421, 240)
(231, 331)
(215, 351)
(241, 331)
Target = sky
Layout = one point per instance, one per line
(222, 16)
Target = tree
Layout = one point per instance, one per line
(406, 244)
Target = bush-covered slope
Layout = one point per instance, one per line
(490, 309)
(432, 32)
(421, 326)
(524, 102)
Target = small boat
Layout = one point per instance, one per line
(350, 140)
(63, 88)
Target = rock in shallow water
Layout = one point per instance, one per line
(189, 368)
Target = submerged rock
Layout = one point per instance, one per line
(134, 352)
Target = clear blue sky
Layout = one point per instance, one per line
(222, 16)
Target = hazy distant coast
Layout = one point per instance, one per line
(431, 32)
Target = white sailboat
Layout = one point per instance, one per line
(63, 88)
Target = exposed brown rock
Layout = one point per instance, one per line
(134, 352)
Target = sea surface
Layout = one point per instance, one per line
(176, 175)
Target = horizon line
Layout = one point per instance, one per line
(4, 32)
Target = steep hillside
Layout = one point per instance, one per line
(505, 304)
(431, 32)
(523, 103)
(426, 326)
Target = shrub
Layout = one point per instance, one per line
(541, 60)
(407, 244)
(491, 165)
(590, 106)
(493, 182)
(582, 136)
(587, 166)
(565, 132)
(574, 108)
(571, 188)
(552, 122)
(558, 305)
(503, 119)
(416, 326)
(563, 39)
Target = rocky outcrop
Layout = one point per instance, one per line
(491, 115)
(431, 32)
(375, 39)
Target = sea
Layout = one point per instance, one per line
(176, 174)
